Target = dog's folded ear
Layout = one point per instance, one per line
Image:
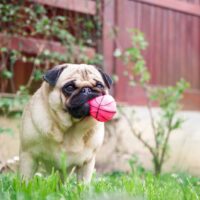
(52, 75)
(107, 79)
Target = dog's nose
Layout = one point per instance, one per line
(86, 90)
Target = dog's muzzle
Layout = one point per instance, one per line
(79, 106)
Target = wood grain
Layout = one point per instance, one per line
(33, 45)
(173, 52)
(179, 6)
(82, 6)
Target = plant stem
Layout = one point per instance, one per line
(164, 147)
(151, 117)
(138, 136)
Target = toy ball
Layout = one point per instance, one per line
(102, 108)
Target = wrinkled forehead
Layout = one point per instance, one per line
(80, 73)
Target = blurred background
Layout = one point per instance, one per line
(38, 34)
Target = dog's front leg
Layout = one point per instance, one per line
(84, 173)
(27, 166)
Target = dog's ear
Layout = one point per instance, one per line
(52, 75)
(107, 79)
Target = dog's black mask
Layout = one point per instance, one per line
(78, 106)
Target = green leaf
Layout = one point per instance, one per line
(37, 61)
(115, 78)
(38, 75)
(23, 90)
(39, 9)
(177, 124)
(117, 53)
(7, 131)
(6, 74)
(3, 49)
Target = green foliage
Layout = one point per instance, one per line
(136, 166)
(35, 20)
(7, 131)
(111, 186)
(133, 56)
(73, 31)
(167, 98)
(38, 74)
(13, 105)
(8, 12)
(6, 74)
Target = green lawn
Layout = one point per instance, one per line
(115, 186)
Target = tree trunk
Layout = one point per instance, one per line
(157, 167)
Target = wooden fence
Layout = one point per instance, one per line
(172, 28)
(32, 45)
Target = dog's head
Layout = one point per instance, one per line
(72, 85)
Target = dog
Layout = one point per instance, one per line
(56, 121)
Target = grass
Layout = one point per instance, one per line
(115, 186)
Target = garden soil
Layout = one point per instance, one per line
(120, 146)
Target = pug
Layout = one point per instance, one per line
(56, 122)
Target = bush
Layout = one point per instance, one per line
(167, 98)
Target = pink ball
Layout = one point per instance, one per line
(102, 108)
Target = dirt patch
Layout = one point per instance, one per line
(120, 145)
(9, 144)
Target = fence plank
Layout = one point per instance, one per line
(83, 6)
(108, 34)
(196, 51)
(173, 52)
(33, 46)
(180, 6)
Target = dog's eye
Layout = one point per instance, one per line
(99, 85)
(69, 89)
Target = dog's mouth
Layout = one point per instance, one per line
(79, 106)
